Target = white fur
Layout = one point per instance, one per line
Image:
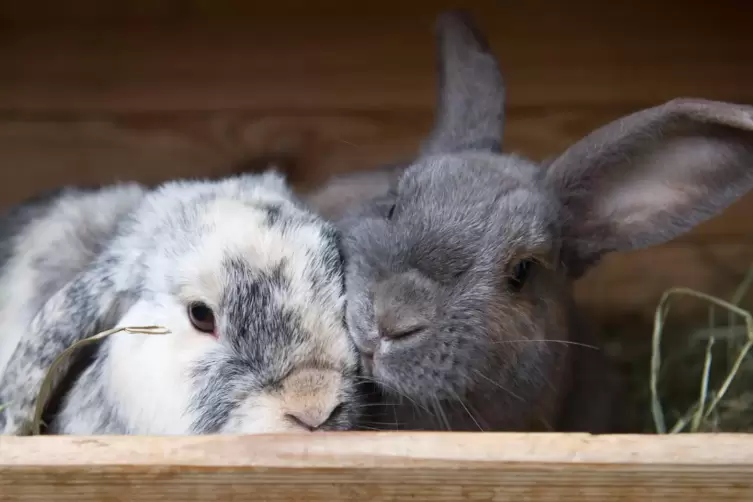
(175, 256)
(52, 239)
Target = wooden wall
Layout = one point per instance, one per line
(95, 91)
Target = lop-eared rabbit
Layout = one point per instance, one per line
(248, 282)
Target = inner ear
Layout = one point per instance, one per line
(651, 176)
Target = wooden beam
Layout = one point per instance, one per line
(44, 151)
(103, 56)
(379, 466)
(631, 284)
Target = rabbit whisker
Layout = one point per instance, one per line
(369, 405)
(563, 342)
(499, 385)
(392, 390)
(440, 413)
(468, 411)
(391, 424)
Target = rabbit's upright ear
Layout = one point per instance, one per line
(470, 94)
(88, 304)
(651, 176)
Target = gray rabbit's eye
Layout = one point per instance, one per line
(201, 317)
(520, 274)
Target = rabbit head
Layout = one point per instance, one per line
(459, 266)
(250, 286)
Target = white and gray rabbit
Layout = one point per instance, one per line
(248, 282)
(460, 264)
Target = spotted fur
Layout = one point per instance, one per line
(81, 261)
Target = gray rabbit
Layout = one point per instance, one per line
(460, 264)
(248, 282)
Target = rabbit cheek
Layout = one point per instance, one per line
(149, 374)
(148, 377)
(362, 326)
(410, 366)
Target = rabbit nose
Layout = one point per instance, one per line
(311, 398)
(314, 418)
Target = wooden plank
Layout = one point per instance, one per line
(350, 55)
(333, 90)
(631, 284)
(42, 152)
(379, 466)
(373, 466)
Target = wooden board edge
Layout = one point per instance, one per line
(377, 450)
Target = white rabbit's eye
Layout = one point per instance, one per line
(520, 273)
(201, 317)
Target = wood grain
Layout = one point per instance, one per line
(94, 92)
(633, 283)
(379, 466)
(41, 153)
(351, 55)
(338, 85)
(38, 154)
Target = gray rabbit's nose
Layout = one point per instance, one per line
(404, 305)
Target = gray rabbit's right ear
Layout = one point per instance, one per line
(471, 91)
(90, 303)
(651, 176)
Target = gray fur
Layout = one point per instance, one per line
(478, 353)
(123, 252)
(347, 193)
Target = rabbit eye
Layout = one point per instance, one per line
(520, 274)
(201, 317)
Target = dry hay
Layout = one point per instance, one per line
(34, 424)
(697, 378)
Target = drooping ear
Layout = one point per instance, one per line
(648, 177)
(88, 304)
(470, 94)
(342, 195)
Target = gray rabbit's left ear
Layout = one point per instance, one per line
(471, 91)
(469, 116)
(651, 176)
(88, 304)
